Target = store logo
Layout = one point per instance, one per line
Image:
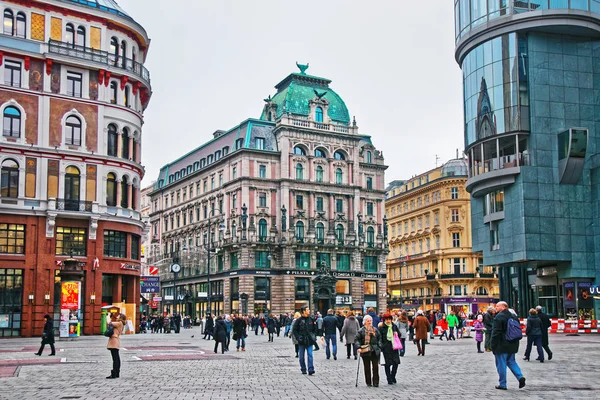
(595, 290)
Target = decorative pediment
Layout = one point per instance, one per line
(300, 214)
(299, 159)
(320, 161)
(320, 215)
(455, 228)
(340, 217)
(339, 164)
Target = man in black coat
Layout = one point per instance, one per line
(545, 325)
(209, 326)
(304, 330)
(488, 322)
(504, 351)
(330, 323)
(239, 332)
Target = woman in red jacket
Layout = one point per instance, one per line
(443, 324)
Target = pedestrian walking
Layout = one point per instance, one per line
(503, 349)
(329, 329)
(292, 336)
(545, 326)
(229, 327)
(209, 326)
(349, 331)
(270, 321)
(239, 332)
(534, 335)
(368, 339)
(402, 325)
(220, 334)
(478, 327)
(288, 324)
(47, 336)
(488, 322)
(443, 325)
(304, 330)
(387, 330)
(452, 324)
(432, 323)
(117, 321)
(421, 325)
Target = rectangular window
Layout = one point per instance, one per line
(412, 225)
(494, 236)
(262, 288)
(71, 241)
(12, 239)
(343, 262)
(302, 286)
(300, 202)
(323, 258)
(370, 264)
(262, 200)
(220, 180)
(342, 286)
(427, 221)
(262, 259)
(74, 84)
(262, 171)
(454, 193)
(339, 206)
(234, 260)
(436, 219)
(234, 173)
(220, 263)
(115, 244)
(455, 215)
(302, 260)
(135, 247)
(319, 204)
(455, 239)
(260, 143)
(234, 201)
(370, 288)
(420, 223)
(12, 73)
(369, 209)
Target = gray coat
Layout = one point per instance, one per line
(350, 329)
(403, 328)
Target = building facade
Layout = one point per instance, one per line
(72, 99)
(288, 210)
(431, 264)
(530, 83)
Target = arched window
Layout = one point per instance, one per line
(262, 230)
(369, 157)
(111, 190)
(113, 92)
(72, 177)
(300, 231)
(320, 153)
(80, 36)
(124, 195)
(339, 176)
(134, 197)
(21, 25)
(299, 151)
(12, 122)
(10, 179)
(70, 35)
(320, 232)
(134, 151)
(339, 233)
(112, 140)
(124, 54)
(481, 291)
(299, 171)
(338, 155)
(126, 96)
(114, 50)
(125, 144)
(133, 57)
(370, 236)
(73, 131)
(319, 114)
(319, 173)
(8, 22)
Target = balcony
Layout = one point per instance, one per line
(308, 123)
(100, 57)
(433, 277)
(73, 205)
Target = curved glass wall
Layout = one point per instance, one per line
(495, 85)
(468, 14)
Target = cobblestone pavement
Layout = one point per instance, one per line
(177, 366)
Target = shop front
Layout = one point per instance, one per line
(466, 305)
(578, 300)
(262, 296)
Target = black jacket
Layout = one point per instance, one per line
(375, 341)
(210, 324)
(390, 355)
(304, 331)
(545, 325)
(239, 327)
(48, 334)
(534, 326)
(330, 324)
(220, 330)
(499, 343)
(488, 321)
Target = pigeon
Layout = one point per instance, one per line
(192, 336)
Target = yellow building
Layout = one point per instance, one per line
(431, 264)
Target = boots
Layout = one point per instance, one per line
(113, 375)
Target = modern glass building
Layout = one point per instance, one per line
(531, 85)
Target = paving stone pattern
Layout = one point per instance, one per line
(171, 366)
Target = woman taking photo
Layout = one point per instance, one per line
(114, 343)
(387, 329)
(367, 341)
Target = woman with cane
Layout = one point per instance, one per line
(368, 341)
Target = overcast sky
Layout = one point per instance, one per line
(213, 62)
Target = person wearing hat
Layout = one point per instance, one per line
(387, 330)
(422, 326)
(47, 336)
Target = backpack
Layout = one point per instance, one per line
(513, 330)
(110, 330)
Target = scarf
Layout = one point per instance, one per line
(390, 333)
(368, 333)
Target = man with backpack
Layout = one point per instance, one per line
(506, 333)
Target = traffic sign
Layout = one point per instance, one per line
(153, 270)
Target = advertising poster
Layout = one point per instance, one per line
(63, 329)
(69, 298)
(73, 329)
(585, 300)
(570, 300)
(150, 284)
(4, 319)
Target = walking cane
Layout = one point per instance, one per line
(357, 370)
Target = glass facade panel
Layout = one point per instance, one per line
(343, 262)
(302, 260)
(11, 295)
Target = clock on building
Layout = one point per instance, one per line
(175, 268)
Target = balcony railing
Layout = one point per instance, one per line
(100, 57)
(73, 205)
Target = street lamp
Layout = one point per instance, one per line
(221, 229)
(401, 292)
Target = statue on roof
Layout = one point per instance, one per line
(268, 99)
(302, 67)
(319, 95)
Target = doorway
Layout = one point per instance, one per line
(323, 306)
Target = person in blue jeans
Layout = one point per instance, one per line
(304, 330)
(504, 351)
(329, 331)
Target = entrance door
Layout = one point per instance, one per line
(323, 306)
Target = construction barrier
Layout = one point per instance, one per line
(557, 325)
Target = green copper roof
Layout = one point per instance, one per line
(297, 89)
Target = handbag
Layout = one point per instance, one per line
(110, 330)
(397, 343)
(365, 350)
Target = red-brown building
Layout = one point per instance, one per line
(72, 96)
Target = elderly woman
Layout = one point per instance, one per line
(387, 329)
(534, 335)
(349, 330)
(118, 321)
(368, 341)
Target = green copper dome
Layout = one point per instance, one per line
(296, 91)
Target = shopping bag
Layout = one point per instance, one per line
(397, 342)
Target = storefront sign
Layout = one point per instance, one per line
(169, 297)
(150, 284)
(130, 267)
(202, 294)
(343, 299)
(290, 272)
(157, 298)
(70, 295)
(595, 290)
(359, 274)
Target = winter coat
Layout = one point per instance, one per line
(452, 320)
(350, 329)
(374, 342)
(390, 355)
(220, 330)
(340, 321)
(305, 331)
(534, 326)
(478, 326)
(488, 321)
(443, 324)
(229, 326)
(292, 336)
(239, 328)
(545, 325)
(330, 324)
(498, 341)
(114, 342)
(48, 334)
(421, 326)
(210, 324)
(271, 325)
(402, 328)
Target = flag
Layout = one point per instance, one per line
(96, 264)
(58, 263)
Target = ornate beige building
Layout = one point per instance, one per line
(431, 264)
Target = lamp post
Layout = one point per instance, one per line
(221, 229)
(401, 292)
